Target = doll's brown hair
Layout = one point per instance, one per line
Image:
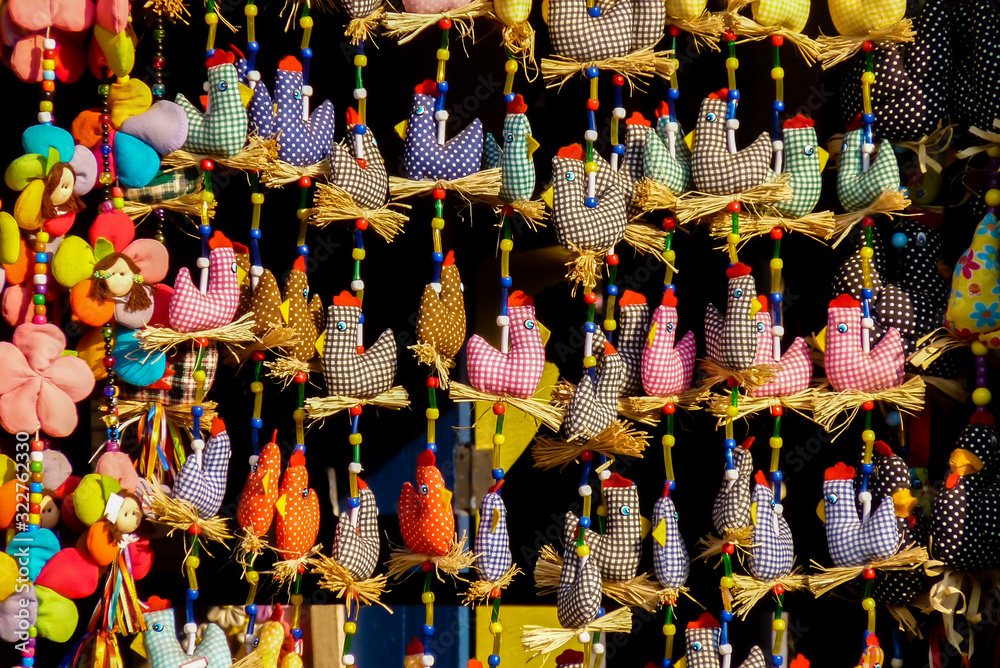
(138, 298)
(73, 205)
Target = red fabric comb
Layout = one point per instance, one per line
(845, 301)
(345, 298)
(426, 458)
(220, 57)
(747, 442)
(799, 121)
(609, 349)
(496, 486)
(415, 647)
(449, 258)
(721, 94)
(362, 484)
(218, 426)
(574, 151)
(517, 105)
(518, 298)
(761, 478)
(568, 657)
(616, 481)
(428, 87)
(300, 264)
(637, 119)
(663, 109)
(763, 302)
(669, 299)
(705, 621)
(854, 125)
(240, 249)
(839, 471)
(219, 240)
(883, 448)
(737, 270)
(800, 661)
(298, 458)
(290, 64)
(353, 117)
(629, 297)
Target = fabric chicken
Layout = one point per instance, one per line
(973, 305)
(492, 546)
(594, 404)
(426, 518)
(423, 156)
(222, 129)
(518, 371)
(633, 321)
(714, 169)
(668, 158)
(804, 160)
(202, 479)
(616, 30)
(255, 511)
(732, 340)
(670, 556)
(857, 187)
(793, 371)
(301, 141)
(702, 649)
(358, 167)
(771, 550)
(789, 14)
(731, 508)
(165, 651)
(192, 310)
(587, 223)
(348, 369)
(578, 597)
(441, 319)
(667, 369)
(858, 18)
(298, 511)
(356, 544)
(848, 366)
(852, 542)
(296, 311)
(617, 551)
(973, 92)
(514, 158)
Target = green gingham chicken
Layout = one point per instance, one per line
(804, 160)
(517, 171)
(668, 157)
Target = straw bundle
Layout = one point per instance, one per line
(934, 344)
(173, 10)
(646, 238)
(254, 157)
(275, 338)
(166, 339)
(749, 378)
(178, 415)
(819, 225)
(834, 411)
(541, 640)
(890, 202)
(541, 411)
(712, 545)
(278, 173)
(705, 30)
(284, 368)
(335, 205)
(828, 579)
(532, 211)
(456, 560)
(519, 40)
(748, 590)
(249, 546)
(362, 29)
(181, 515)
(320, 408)
(337, 579)
(652, 195)
(801, 403)
(287, 570)
(481, 591)
(696, 205)
(427, 354)
(477, 187)
(404, 26)
(618, 438)
(837, 49)
(642, 591)
(937, 142)
(635, 67)
(187, 205)
(751, 31)
(638, 409)
(583, 268)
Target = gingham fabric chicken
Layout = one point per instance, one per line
(633, 324)
(517, 372)
(514, 155)
(492, 546)
(423, 157)
(298, 510)
(222, 129)
(164, 648)
(848, 366)
(858, 18)
(804, 159)
(356, 544)
(714, 169)
(851, 542)
(578, 597)
(732, 340)
(789, 14)
(594, 404)
(670, 556)
(617, 551)
(570, 658)
(731, 508)
(202, 480)
(441, 318)
(702, 649)
(255, 511)
(426, 518)
(349, 369)
(793, 371)
(618, 29)
(668, 158)
(582, 223)
(360, 170)
(771, 550)
(667, 369)
(856, 187)
(192, 310)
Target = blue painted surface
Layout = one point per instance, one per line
(383, 637)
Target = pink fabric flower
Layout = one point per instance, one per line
(39, 386)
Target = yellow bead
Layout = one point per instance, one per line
(868, 604)
(48, 64)
(979, 349)
(432, 413)
(669, 630)
(732, 63)
(350, 628)
(506, 245)
(44, 238)
(732, 411)
(360, 61)
(668, 440)
(590, 167)
(45, 106)
(868, 78)
(302, 214)
(199, 376)
(427, 597)
(777, 73)
(250, 10)
(589, 361)
(253, 577)
(257, 387)
(207, 196)
(777, 263)
(496, 628)
(211, 18)
(306, 22)
(510, 66)
(992, 197)
(354, 439)
(582, 551)
(299, 415)
(296, 599)
(192, 562)
(257, 198)
(670, 255)
(610, 325)
(358, 253)
(602, 511)
(732, 238)
(867, 252)
(778, 625)
(981, 396)
(35, 497)
(726, 582)
(776, 442)
(106, 179)
(498, 439)
(443, 54)
(34, 518)
(868, 436)
(437, 223)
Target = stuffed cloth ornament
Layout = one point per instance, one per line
(441, 319)
(222, 129)
(667, 369)
(517, 372)
(965, 516)
(594, 404)
(176, 386)
(716, 171)
(804, 159)
(362, 175)
(192, 310)
(423, 157)
(973, 305)
(793, 371)
(578, 598)
(255, 511)
(426, 518)
(54, 616)
(667, 158)
(358, 9)
(202, 480)
(517, 169)
(912, 91)
(166, 186)
(74, 16)
(347, 372)
(637, 133)
(356, 544)
(732, 340)
(301, 141)
(570, 658)
(578, 226)
(618, 30)
(27, 47)
(265, 303)
(702, 649)
(670, 556)
(974, 90)
(492, 545)
(164, 126)
(856, 188)
(850, 542)
(297, 311)
(617, 551)
(164, 649)
(848, 366)
(298, 511)
(633, 324)
(431, 6)
(731, 508)
(789, 14)
(858, 18)
(771, 551)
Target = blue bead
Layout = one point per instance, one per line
(36, 488)
(27, 661)
(734, 93)
(428, 629)
(256, 423)
(497, 474)
(41, 257)
(867, 467)
(613, 290)
(590, 327)
(673, 93)
(594, 12)
(506, 281)
(730, 443)
(726, 616)
(354, 502)
(192, 594)
(197, 411)
(297, 633)
(105, 149)
(253, 47)
(666, 663)
(776, 297)
(361, 318)
(251, 609)
(109, 391)
(303, 249)
(204, 230)
(209, 53)
(669, 288)
(618, 149)
(779, 105)
(509, 97)
(777, 659)
(432, 447)
(777, 475)
(360, 129)
(590, 202)
(306, 53)
(584, 522)
(867, 293)
(437, 257)
(899, 240)
(892, 419)
(868, 118)
(442, 86)
(494, 660)
(592, 72)
(255, 233)
(159, 89)
(672, 484)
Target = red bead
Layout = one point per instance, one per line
(356, 410)
(302, 569)
(361, 224)
(777, 40)
(109, 362)
(612, 259)
(37, 446)
(586, 456)
(728, 548)
(49, 86)
(117, 192)
(868, 574)
(158, 62)
(305, 182)
(496, 592)
(618, 80)
(777, 233)
(669, 409)
(507, 210)
(499, 409)
(593, 104)
(257, 355)
(590, 298)
(34, 508)
(669, 223)
(777, 411)
(427, 566)
(362, 163)
(675, 31)
(444, 23)
(194, 529)
(433, 382)
(778, 589)
(868, 46)
(730, 36)
(207, 165)
(49, 54)
(104, 119)
(868, 405)
(732, 382)
(868, 221)
(733, 207)
(438, 193)
(201, 342)
(301, 377)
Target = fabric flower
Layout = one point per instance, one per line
(969, 266)
(988, 256)
(40, 385)
(985, 316)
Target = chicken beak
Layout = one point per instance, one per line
(246, 93)
(495, 521)
(266, 481)
(284, 308)
(821, 512)
(401, 129)
(644, 527)
(241, 275)
(320, 344)
(280, 505)
(963, 462)
(689, 140)
(660, 533)
(755, 306)
(532, 145)
(904, 501)
(543, 332)
(821, 340)
(824, 156)
(547, 196)
(753, 513)
(651, 336)
(446, 495)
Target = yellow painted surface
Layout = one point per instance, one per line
(513, 617)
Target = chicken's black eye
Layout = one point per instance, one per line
(676, 516)
(341, 326)
(842, 328)
(710, 117)
(223, 85)
(305, 493)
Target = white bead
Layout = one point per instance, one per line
(347, 659)
(673, 126)
(584, 637)
(778, 145)
(40, 279)
(436, 287)
(733, 124)
(778, 508)
(868, 148)
(732, 474)
(256, 270)
(48, 43)
(896, 662)
(598, 648)
(36, 456)
(307, 91)
(605, 474)
(427, 660)
(357, 286)
(203, 263)
(253, 460)
(197, 444)
(585, 490)
(190, 628)
(44, 117)
(354, 467)
(503, 321)
(204, 86)
(865, 497)
(253, 75)
(618, 112)
(590, 135)
(360, 93)
(725, 649)
(778, 330)
(441, 115)
(868, 323)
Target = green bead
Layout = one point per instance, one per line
(159, 237)
(107, 332)
(38, 299)
(159, 34)
(104, 90)
(35, 467)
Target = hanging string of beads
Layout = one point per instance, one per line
(35, 496)
(733, 96)
(584, 523)
(302, 213)
(159, 88)
(778, 624)
(361, 95)
(306, 23)
(867, 116)
(726, 616)
(443, 54)
(867, 292)
(590, 136)
(981, 396)
(778, 75)
(45, 105)
(617, 114)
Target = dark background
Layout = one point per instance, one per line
(828, 631)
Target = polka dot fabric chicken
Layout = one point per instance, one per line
(298, 511)
(441, 323)
(261, 490)
(426, 518)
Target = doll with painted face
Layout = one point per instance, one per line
(59, 203)
(117, 278)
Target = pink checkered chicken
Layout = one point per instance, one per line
(667, 368)
(849, 366)
(517, 372)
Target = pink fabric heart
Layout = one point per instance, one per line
(71, 15)
(112, 15)
(40, 386)
(26, 58)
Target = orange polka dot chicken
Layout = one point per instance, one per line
(426, 518)
(298, 510)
